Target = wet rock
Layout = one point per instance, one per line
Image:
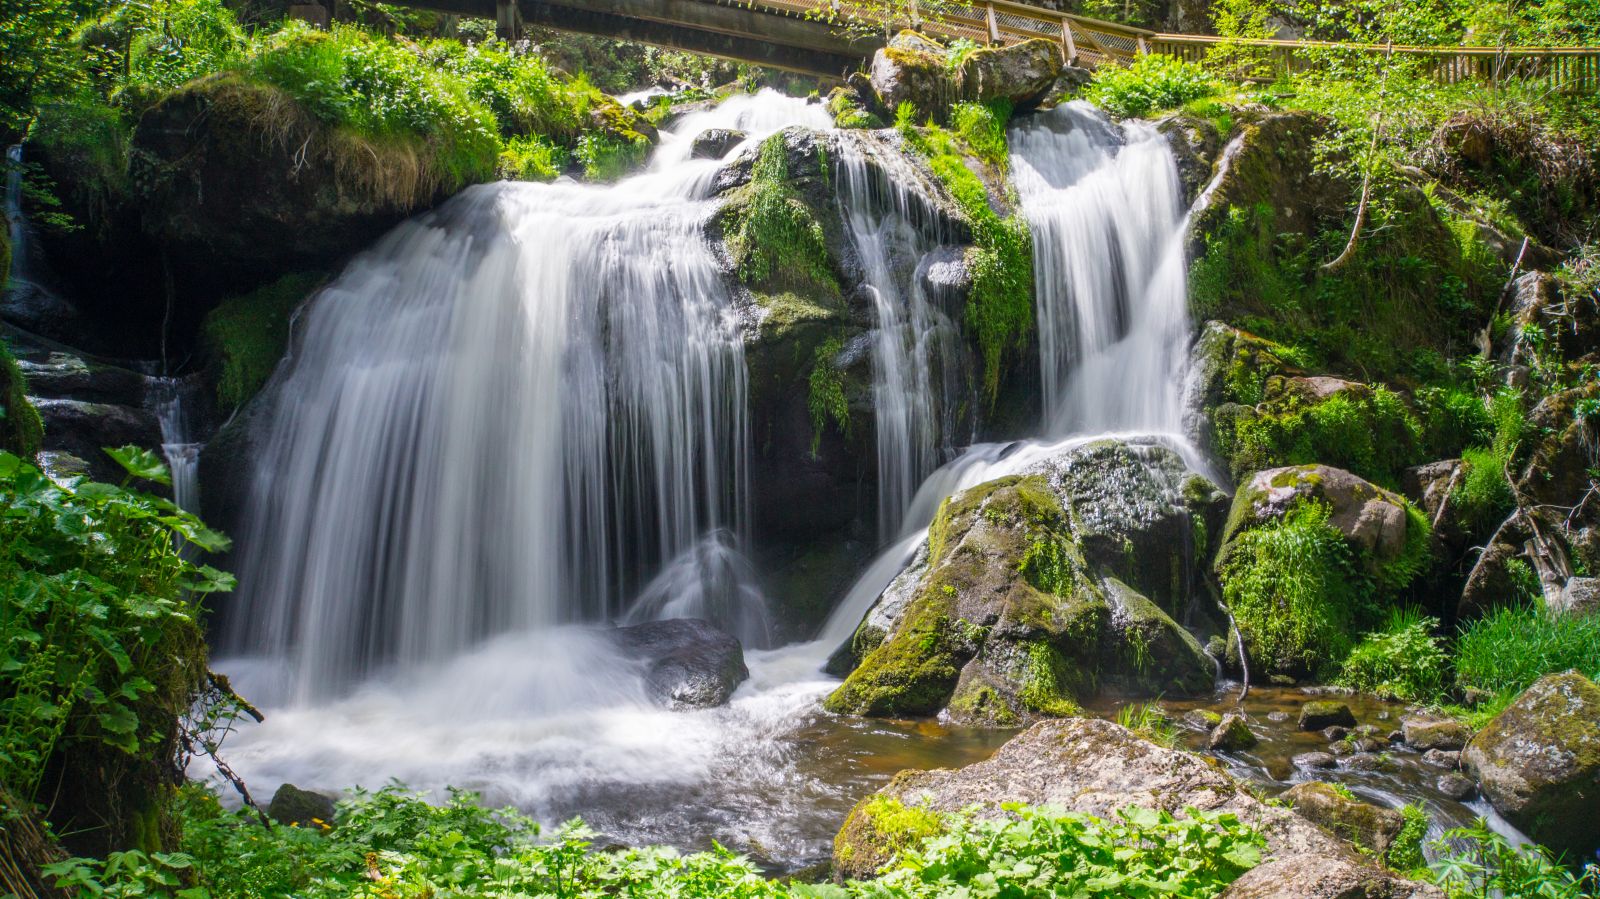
(1081, 765)
(1364, 761)
(1316, 760)
(1371, 731)
(1442, 757)
(1424, 732)
(1324, 713)
(1232, 734)
(1456, 786)
(1202, 719)
(1276, 715)
(1281, 680)
(1325, 877)
(1226, 368)
(293, 806)
(1365, 825)
(1195, 144)
(946, 276)
(1538, 762)
(714, 143)
(1341, 749)
(1034, 588)
(1395, 736)
(687, 662)
(84, 429)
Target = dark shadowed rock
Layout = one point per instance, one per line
(1325, 877)
(1316, 760)
(303, 808)
(86, 429)
(1538, 762)
(714, 143)
(687, 662)
(1322, 713)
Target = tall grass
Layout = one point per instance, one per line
(1504, 652)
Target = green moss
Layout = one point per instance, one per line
(881, 827)
(911, 673)
(21, 431)
(826, 400)
(1405, 852)
(983, 704)
(844, 104)
(1046, 675)
(1366, 430)
(607, 157)
(999, 309)
(247, 335)
(775, 239)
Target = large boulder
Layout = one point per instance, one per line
(1365, 825)
(1018, 73)
(1538, 762)
(1379, 523)
(295, 807)
(913, 69)
(1325, 877)
(1033, 588)
(687, 663)
(1078, 765)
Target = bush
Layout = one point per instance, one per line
(393, 844)
(517, 86)
(1475, 861)
(1371, 434)
(1403, 661)
(1293, 590)
(1504, 652)
(1153, 82)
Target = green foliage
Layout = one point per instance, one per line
(1045, 675)
(1148, 720)
(775, 239)
(158, 46)
(606, 157)
(1475, 861)
(1294, 591)
(1405, 852)
(392, 844)
(20, 427)
(1041, 852)
(516, 85)
(1505, 651)
(97, 626)
(826, 400)
(1000, 307)
(1370, 433)
(42, 58)
(983, 127)
(248, 334)
(530, 159)
(1402, 661)
(1154, 82)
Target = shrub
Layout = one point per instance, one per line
(1475, 861)
(607, 158)
(530, 159)
(177, 41)
(1401, 661)
(1152, 83)
(515, 85)
(1292, 588)
(1505, 651)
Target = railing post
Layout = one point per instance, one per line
(916, 17)
(1068, 42)
(507, 20)
(1144, 48)
(994, 27)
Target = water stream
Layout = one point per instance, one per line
(517, 413)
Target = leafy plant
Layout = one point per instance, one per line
(1153, 82)
(1149, 721)
(1475, 862)
(1402, 661)
(826, 400)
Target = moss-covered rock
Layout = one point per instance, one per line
(245, 336)
(1365, 825)
(1538, 762)
(877, 828)
(1033, 590)
(1231, 733)
(20, 428)
(920, 72)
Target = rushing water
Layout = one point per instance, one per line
(520, 411)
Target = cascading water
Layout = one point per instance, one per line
(166, 399)
(501, 418)
(915, 357)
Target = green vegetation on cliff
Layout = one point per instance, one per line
(249, 334)
(20, 428)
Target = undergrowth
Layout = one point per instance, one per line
(1505, 651)
(1402, 661)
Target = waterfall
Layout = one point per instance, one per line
(505, 415)
(1105, 207)
(915, 345)
(165, 397)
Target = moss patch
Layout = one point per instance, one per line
(1366, 430)
(247, 335)
(21, 431)
(879, 828)
(775, 239)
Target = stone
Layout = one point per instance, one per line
(1442, 757)
(1373, 519)
(301, 808)
(1202, 719)
(1538, 763)
(1579, 596)
(1277, 716)
(1081, 765)
(1020, 74)
(1456, 786)
(687, 662)
(1425, 732)
(1341, 749)
(1316, 760)
(1232, 734)
(1325, 877)
(1323, 713)
(714, 143)
(84, 429)
(1364, 761)
(1365, 825)
(911, 69)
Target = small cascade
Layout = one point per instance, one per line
(166, 398)
(916, 360)
(710, 580)
(1104, 205)
(512, 412)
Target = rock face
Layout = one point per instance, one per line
(714, 143)
(1272, 161)
(687, 662)
(1538, 762)
(913, 69)
(1033, 588)
(1079, 765)
(1365, 825)
(302, 808)
(1325, 877)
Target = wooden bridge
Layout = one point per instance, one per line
(830, 38)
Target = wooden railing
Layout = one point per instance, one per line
(1093, 42)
